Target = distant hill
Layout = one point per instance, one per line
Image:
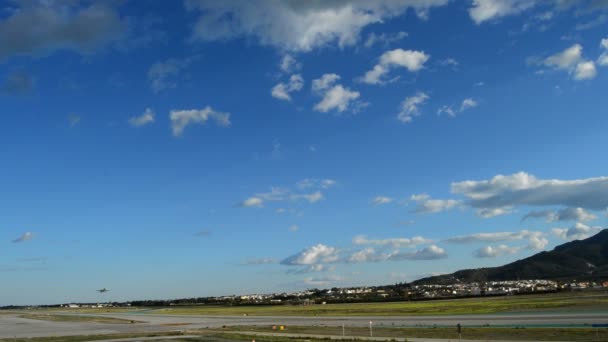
(580, 259)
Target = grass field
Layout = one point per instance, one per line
(479, 333)
(507, 304)
(73, 318)
(82, 338)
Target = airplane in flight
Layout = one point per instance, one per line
(103, 290)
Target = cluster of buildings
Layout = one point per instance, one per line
(410, 292)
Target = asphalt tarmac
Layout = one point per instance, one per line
(11, 325)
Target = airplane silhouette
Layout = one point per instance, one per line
(103, 290)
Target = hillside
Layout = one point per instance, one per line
(580, 259)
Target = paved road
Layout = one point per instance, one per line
(13, 326)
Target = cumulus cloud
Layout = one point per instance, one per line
(27, 236)
(318, 254)
(565, 214)
(379, 200)
(566, 59)
(282, 90)
(603, 59)
(367, 255)
(410, 107)
(495, 251)
(17, 83)
(425, 204)
(164, 75)
(536, 239)
(147, 117)
(501, 193)
(579, 231)
(384, 38)
(572, 61)
(334, 96)
(486, 10)
(252, 202)
(411, 60)
(585, 71)
(393, 242)
(297, 25)
(370, 254)
(289, 64)
(182, 118)
(431, 252)
(59, 25)
(466, 104)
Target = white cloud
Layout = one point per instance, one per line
(59, 25)
(369, 254)
(318, 254)
(566, 59)
(425, 204)
(603, 59)
(431, 252)
(536, 239)
(334, 96)
(410, 107)
(313, 183)
(579, 231)
(27, 236)
(449, 62)
(466, 104)
(147, 117)
(289, 64)
(484, 10)
(572, 61)
(164, 75)
(519, 189)
(446, 110)
(383, 38)
(282, 90)
(585, 71)
(493, 212)
(312, 197)
(393, 242)
(297, 25)
(411, 60)
(565, 214)
(312, 269)
(278, 194)
(182, 118)
(253, 202)
(495, 251)
(379, 200)
(294, 228)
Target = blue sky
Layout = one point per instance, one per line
(201, 148)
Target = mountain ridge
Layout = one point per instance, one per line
(578, 259)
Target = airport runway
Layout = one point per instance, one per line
(11, 325)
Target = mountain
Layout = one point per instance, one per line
(580, 259)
